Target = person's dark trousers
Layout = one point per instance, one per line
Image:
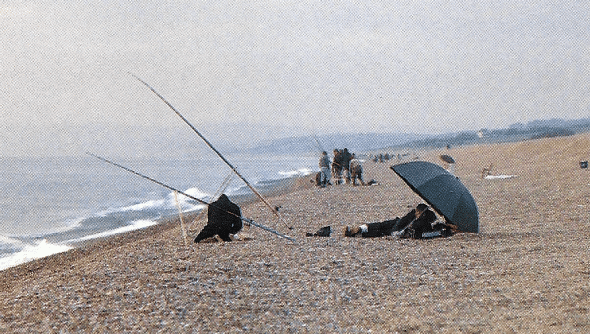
(380, 229)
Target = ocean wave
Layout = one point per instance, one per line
(164, 203)
(195, 192)
(9, 245)
(19, 252)
(68, 225)
(32, 252)
(298, 172)
(186, 203)
(270, 183)
(135, 225)
(109, 209)
(151, 204)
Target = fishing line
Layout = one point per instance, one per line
(246, 220)
(180, 215)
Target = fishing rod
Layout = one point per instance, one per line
(246, 220)
(318, 144)
(274, 211)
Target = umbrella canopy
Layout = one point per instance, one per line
(447, 158)
(442, 191)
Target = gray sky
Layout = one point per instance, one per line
(283, 67)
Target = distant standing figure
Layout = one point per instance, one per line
(346, 157)
(223, 219)
(337, 166)
(324, 169)
(356, 170)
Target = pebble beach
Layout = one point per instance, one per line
(528, 270)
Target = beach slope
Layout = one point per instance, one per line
(526, 271)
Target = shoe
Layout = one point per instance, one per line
(447, 232)
(347, 232)
(323, 232)
(405, 234)
(352, 232)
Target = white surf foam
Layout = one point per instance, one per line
(135, 225)
(293, 173)
(186, 203)
(144, 206)
(32, 252)
(165, 203)
(195, 192)
(151, 204)
(8, 240)
(10, 244)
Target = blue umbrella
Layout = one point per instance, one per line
(442, 191)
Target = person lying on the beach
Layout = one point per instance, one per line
(414, 223)
(223, 219)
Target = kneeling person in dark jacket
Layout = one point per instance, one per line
(223, 219)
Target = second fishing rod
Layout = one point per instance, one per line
(272, 209)
(246, 220)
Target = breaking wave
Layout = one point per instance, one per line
(32, 252)
(135, 225)
(97, 212)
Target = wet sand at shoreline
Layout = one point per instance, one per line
(526, 271)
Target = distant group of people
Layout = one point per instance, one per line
(382, 157)
(345, 168)
(385, 157)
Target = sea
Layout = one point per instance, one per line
(51, 205)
